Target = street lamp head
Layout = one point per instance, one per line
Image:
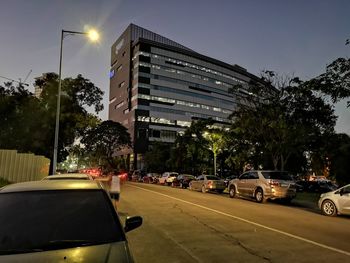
(93, 35)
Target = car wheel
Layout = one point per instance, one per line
(232, 191)
(259, 195)
(328, 208)
(204, 190)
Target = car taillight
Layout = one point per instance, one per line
(210, 183)
(274, 183)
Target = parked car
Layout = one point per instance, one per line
(207, 183)
(183, 180)
(263, 185)
(318, 186)
(137, 175)
(335, 202)
(69, 177)
(51, 221)
(167, 178)
(229, 178)
(150, 178)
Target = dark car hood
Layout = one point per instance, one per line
(112, 252)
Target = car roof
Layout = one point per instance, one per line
(52, 185)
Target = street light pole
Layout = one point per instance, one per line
(93, 36)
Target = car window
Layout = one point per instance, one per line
(244, 176)
(346, 190)
(211, 177)
(199, 178)
(253, 175)
(277, 175)
(57, 219)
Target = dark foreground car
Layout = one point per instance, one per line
(64, 220)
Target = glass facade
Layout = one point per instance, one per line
(158, 87)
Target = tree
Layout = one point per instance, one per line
(105, 140)
(28, 123)
(216, 142)
(77, 94)
(22, 120)
(190, 152)
(335, 82)
(334, 157)
(157, 159)
(288, 121)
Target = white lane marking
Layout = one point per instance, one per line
(249, 222)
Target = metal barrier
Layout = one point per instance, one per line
(20, 167)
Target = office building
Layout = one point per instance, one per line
(158, 87)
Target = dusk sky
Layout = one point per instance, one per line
(290, 37)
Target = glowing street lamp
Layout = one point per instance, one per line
(94, 37)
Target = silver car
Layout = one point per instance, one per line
(63, 220)
(335, 202)
(207, 183)
(262, 185)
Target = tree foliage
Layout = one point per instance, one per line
(28, 123)
(335, 82)
(157, 159)
(192, 151)
(104, 140)
(286, 122)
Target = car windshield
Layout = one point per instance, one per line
(277, 175)
(47, 220)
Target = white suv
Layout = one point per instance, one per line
(167, 178)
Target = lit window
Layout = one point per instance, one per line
(121, 84)
(217, 109)
(120, 68)
(184, 123)
(143, 118)
(144, 96)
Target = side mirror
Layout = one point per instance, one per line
(132, 223)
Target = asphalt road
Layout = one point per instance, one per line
(185, 226)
